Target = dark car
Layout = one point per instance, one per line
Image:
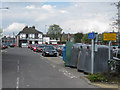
(11, 44)
(49, 50)
(40, 48)
(60, 49)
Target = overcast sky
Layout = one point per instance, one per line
(71, 16)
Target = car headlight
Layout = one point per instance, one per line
(47, 52)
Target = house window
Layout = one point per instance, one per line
(22, 35)
(31, 36)
(40, 35)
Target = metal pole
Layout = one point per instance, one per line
(119, 24)
(92, 57)
(96, 42)
(109, 50)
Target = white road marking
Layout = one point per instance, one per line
(53, 65)
(18, 79)
(3, 51)
(17, 83)
(18, 62)
(18, 68)
(66, 73)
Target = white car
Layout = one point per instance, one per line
(24, 45)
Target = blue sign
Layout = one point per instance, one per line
(91, 35)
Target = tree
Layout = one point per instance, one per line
(1, 31)
(54, 31)
(77, 37)
(85, 39)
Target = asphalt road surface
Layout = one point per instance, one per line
(22, 68)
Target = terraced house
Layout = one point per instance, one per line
(29, 35)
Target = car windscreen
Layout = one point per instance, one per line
(40, 46)
(49, 48)
(60, 46)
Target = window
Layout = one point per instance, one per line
(40, 35)
(31, 36)
(22, 35)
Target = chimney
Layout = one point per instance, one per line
(33, 27)
(25, 27)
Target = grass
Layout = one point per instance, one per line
(105, 77)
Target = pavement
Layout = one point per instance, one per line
(58, 62)
(23, 68)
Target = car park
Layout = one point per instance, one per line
(49, 50)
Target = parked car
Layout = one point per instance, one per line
(60, 49)
(40, 48)
(4, 46)
(49, 50)
(35, 47)
(14, 44)
(24, 45)
(115, 50)
(29, 45)
(11, 44)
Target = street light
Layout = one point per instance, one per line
(45, 30)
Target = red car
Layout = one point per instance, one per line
(29, 46)
(40, 48)
(35, 47)
(14, 45)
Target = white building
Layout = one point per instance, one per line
(29, 35)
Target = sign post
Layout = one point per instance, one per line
(92, 36)
(109, 37)
(109, 50)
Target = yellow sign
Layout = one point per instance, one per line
(109, 36)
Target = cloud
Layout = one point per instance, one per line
(60, 0)
(47, 7)
(14, 27)
(98, 23)
(72, 17)
(63, 11)
(30, 7)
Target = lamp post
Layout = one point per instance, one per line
(118, 23)
(45, 30)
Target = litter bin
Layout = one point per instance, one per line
(68, 53)
(100, 59)
(81, 58)
(64, 49)
(75, 54)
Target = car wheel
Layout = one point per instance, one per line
(44, 55)
(55, 55)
